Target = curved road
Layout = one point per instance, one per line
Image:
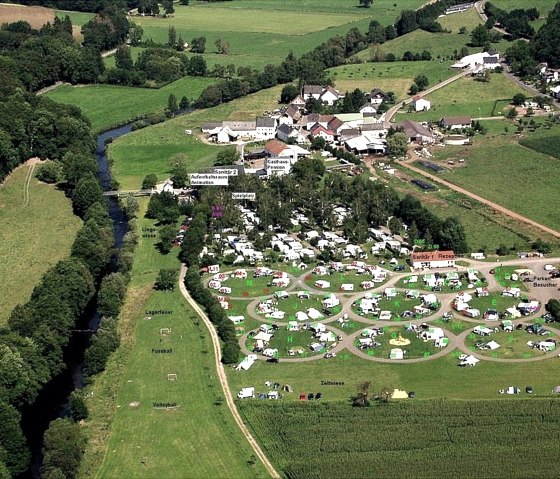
(223, 378)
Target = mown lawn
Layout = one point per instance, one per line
(33, 236)
(108, 106)
(467, 97)
(151, 149)
(197, 438)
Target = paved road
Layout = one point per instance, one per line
(496, 206)
(223, 378)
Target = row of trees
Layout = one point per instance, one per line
(190, 251)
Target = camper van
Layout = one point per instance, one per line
(246, 393)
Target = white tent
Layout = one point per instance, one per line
(270, 352)
(469, 361)
(301, 316)
(236, 319)
(429, 298)
(513, 312)
(247, 362)
(262, 336)
(276, 315)
(492, 345)
(314, 314)
(390, 292)
(318, 327)
(321, 284)
(327, 337)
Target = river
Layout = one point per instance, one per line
(53, 399)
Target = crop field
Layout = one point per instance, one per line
(108, 106)
(147, 440)
(388, 76)
(489, 157)
(27, 252)
(467, 97)
(151, 149)
(544, 140)
(35, 16)
(409, 438)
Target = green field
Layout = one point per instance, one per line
(544, 140)
(388, 76)
(487, 160)
(543, 6)
(151, 149)
(467, 97)
(197, 436)
(27, 251)
(108, 106)
(78, 18)
(513, 345)
(409, 438)
(485, 230)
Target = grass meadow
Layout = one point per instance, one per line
(440, 45)
(501, 170)
(197, 438)
(468, 97)
(485, 230)
(388, 76)
(408, 438)
(27, 251)
(544, 140)
(151, 149)
(108, 106)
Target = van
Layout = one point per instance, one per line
(246, 393)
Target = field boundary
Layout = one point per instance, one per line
(223, 378)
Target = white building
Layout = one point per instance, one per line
(433, 259)
(420, 104)
(482, 60)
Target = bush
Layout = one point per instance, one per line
(78, 407)
(50, 172)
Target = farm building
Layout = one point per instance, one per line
(432, 259)
(420, 104)
(415, 131)
(456, 122)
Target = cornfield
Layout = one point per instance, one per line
(416, 439)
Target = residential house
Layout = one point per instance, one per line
(318, 130)
(290, 115)
(298, 102)
(266, 127)
(312, 91)
(368, 108)
(415, 131)
(377, 96)
(420, 104)
(330, 96)
(285, 132)
(456, 122)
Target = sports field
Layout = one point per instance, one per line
(194, 438)
(27, 251)
(107, 106)
(388, 76)
(151, 149)
(468, 97)
(408, 438)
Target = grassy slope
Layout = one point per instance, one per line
(543, 6)
(439, 44)
(545, 141)
(468, 97)
(27, 251)
(388, 76)
(531, 176)
(151, 149)
(108, 105)
(199, 439)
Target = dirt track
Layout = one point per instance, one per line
(223, 378)
(497, 207)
